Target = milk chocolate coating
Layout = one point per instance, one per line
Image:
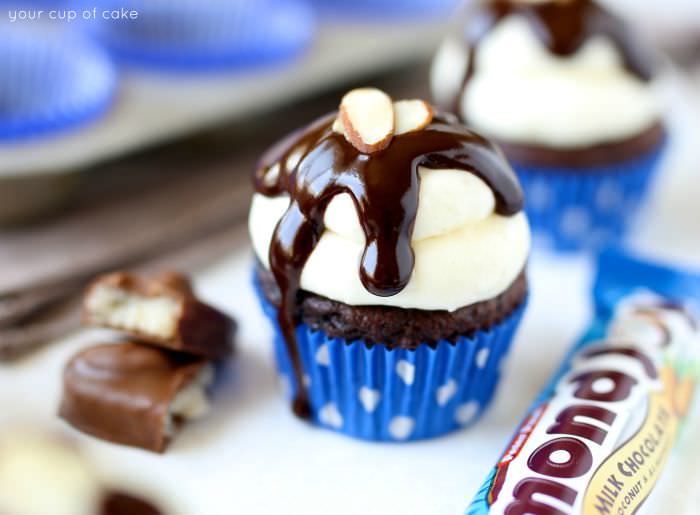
(384, 187)
(121, 392)
(200, 329)
(397, 327)
(116, 503)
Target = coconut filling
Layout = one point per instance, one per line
(152, 316)
(191, 402)
(40, 476)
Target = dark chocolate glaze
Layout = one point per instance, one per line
(121, 392)
(384, 188)
(563, 27)
(116, 503)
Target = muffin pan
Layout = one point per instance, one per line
(149, 108)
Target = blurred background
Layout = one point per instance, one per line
(129, 129)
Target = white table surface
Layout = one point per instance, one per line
(250, 456)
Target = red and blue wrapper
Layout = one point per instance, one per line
(599, 436)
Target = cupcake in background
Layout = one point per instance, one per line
(384, 9)
(189, 35)
(50, 82)
(571, 95)
(391, 249)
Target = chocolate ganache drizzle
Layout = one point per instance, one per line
(315, 164)
(563, 26)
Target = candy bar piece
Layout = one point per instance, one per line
(134, 394)
(40, 475)
(116, 503)
(599, 437)
(160, 310)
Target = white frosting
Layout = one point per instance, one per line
(448, 71)
(443, 206)
(522, 93)
(464, 252)
(39, 476)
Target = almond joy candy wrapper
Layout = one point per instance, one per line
(598, 438)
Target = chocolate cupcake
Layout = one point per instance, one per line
(391, 248)
(570, 94)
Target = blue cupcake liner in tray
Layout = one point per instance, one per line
(50, 83)
(585, 209)
(384, 9)
(374, 393)
(189, 35)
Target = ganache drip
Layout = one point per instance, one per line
(562, 26)
(314, 165)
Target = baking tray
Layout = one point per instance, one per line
(151, 108)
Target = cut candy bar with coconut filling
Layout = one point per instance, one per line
(134, 394)
(161, 310)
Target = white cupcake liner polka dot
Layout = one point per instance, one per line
(446, 392)
(539, 196)
(398, 395)
(575, 222)
(322, 356)
(330, 416)
(609, 197)
(406, 371)
(401, 427)
(482, 357)
(369, 398)
(466, 413)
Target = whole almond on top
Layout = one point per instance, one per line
(411, 116)
(368, 119)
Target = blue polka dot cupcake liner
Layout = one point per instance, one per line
(586, 209)
(374, 393)
(51, 83)
(189, 35)
(385, 9)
